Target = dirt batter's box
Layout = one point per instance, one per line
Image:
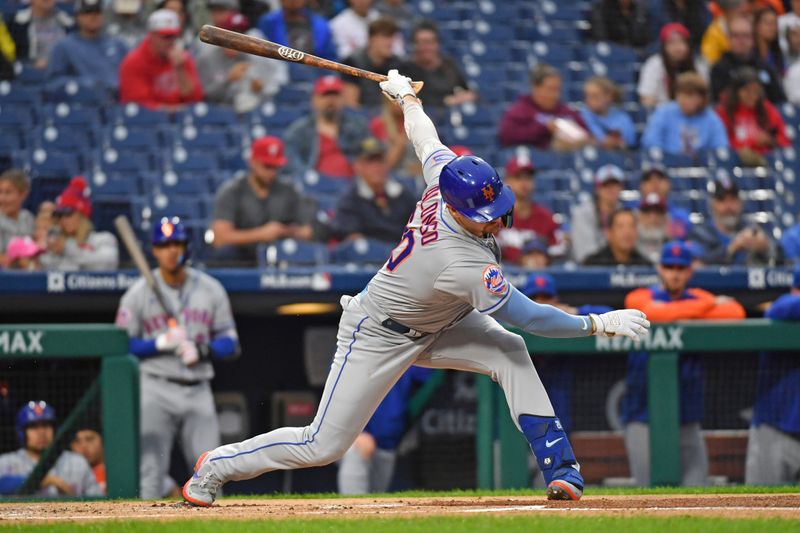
(86, 374)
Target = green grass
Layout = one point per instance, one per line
(508, 524)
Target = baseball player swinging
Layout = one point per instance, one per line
(435, 303)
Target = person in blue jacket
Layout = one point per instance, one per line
(297, 26)
(611, 126)
(368, 466)
(773, 447)
(687, 125)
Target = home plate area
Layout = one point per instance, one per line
(718, 505)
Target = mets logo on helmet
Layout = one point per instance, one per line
(494, 281)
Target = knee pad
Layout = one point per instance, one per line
(550, 445)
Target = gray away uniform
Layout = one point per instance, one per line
(175, 398)
(440, 281)
(70, 467)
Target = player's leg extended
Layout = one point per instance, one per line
(200, 430)
(368, 361)
(694, 456)
(157, 432)
(354, 472)
(479, 344)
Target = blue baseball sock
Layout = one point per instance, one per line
(550, 445)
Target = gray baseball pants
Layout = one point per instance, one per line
(369, 360)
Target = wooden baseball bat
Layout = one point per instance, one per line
(128, 237)
(261, 47)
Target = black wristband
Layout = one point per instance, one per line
(204, 351)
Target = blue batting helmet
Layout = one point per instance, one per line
(33, 412)
(170, 229)
(472, 187)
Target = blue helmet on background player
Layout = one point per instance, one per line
(31, 413)
(171, 229)
(472, 187)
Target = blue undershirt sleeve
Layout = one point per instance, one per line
(543, 320)
(10, 484)
(142, 348)
(223, 347)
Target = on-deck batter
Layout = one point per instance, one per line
(429, 305)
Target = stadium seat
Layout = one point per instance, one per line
(202, 114)
(116, 185)
(135, 115)
(75, 92)
(185, 183)
(362, 251)
(291, 252)
(316, 184)
(43, 163)
(45, 187)
(180, 159)
(61, 139)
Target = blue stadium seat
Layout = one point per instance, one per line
(290, 252)
(106, 208)
(75, 92)
(203, 114)
(188, 183)
(61, 139)
(132, 139)
(12, 116)
(192, 137)
(30, 76)
(362, 251)
(14, 93)
(42, 162)
(276, 117)
(111, 160)
(45, 187)
(135, 115)
(114, 185)
(64, 114)
(317, 184)
(180, 159)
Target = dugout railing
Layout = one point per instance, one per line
(503, 453)
(116, 387)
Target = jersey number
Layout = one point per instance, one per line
(402, 251)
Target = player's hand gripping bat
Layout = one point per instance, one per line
(128, 238)
(261, 47)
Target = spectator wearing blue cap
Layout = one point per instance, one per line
(590, 219)
(728, 239)
(557, 373)
(773, 449)
(668, 301)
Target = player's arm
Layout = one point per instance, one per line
(419, 127)
(658, 311)
(224, 344)
(549, 321)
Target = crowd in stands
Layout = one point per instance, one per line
(700, 79)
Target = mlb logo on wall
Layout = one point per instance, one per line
(55, 282)
(494, 281)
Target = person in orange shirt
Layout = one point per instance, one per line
(88, 443)
(669, 301)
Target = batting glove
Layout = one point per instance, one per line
(629, 322)
(187, 351)
(397, 86)
(169, 341)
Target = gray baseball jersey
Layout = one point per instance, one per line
(439, 272)
(201, 306)
(70, 467)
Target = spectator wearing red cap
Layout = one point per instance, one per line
(532, 221)
(692, 15)
(76, 245)
(621, 21)
(158, 73)
(14, 220)
(654, 179)
(652, 225)
(257, 207)
(659, 71)
(234, 79)
(589, 219)
(326, 141)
